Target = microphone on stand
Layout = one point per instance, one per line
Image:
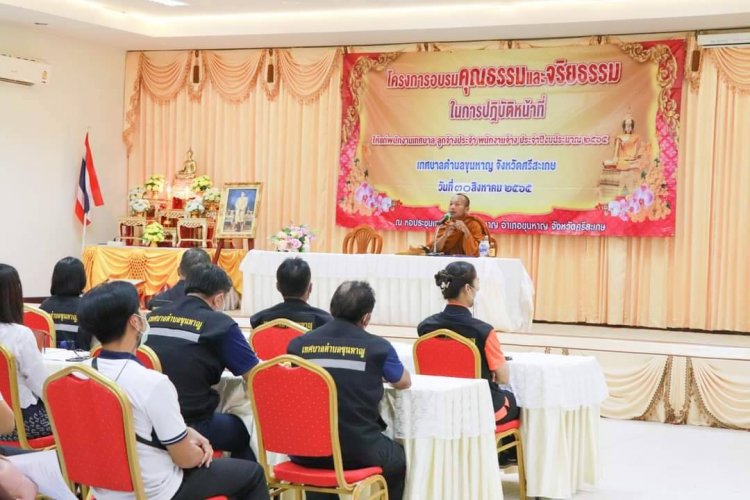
(445, 219)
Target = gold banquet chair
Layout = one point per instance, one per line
(363, 239)
(445, 353)
(41, 324)
(9, 391)
(283, 428)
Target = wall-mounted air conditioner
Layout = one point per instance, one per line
(723, 38)
(22, 71)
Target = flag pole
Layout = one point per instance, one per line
(83, 234)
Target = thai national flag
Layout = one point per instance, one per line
(88, 185)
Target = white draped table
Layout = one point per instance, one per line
(559, 398)
(448, 431)
(56, 359)
(404, 285)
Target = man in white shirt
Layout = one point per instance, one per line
(175, 460)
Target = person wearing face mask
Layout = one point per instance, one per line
(175, 460)
(358, 372)
(459, 285)
(195, 342)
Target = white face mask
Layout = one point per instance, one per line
(474, 293)
(143, 335)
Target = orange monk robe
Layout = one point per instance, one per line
(457, 243)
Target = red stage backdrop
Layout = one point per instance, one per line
(576, 140)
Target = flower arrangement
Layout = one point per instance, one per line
(136, 192)
(139, 205)
(155, 183)
(154, 233)
(195, 206)
(212, 197)
(293, 239)
(201, 184)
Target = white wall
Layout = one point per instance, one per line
(42, 129)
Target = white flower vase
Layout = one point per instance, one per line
(305, 247)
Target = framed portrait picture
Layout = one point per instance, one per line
(238, 210)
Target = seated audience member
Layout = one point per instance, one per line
(459, 285)
(68, 282)
(20, 341)
(175, 460)
(293, 283)
(359, 385)
(195, 343)
(192, 257)
(29, 472)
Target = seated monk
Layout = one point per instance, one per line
(462, 233)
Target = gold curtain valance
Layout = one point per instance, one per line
(233, 75)
(733, 65)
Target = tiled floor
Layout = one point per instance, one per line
(653, 461)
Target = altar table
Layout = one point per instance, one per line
(156, 266)
(404, 285)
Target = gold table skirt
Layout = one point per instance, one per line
(155, 266)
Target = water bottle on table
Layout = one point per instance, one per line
(484, 247)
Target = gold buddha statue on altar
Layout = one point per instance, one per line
(188, 167)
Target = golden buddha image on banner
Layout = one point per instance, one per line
(575, 140)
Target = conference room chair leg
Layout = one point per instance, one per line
(371, 489)
(521, 468)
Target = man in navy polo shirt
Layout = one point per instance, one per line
(358, 362)
(293, 283)
(196, 342)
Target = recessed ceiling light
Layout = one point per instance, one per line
(41, 24)
(169, 3)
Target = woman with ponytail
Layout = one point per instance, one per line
(459, 285)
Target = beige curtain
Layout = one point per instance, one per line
(285, 133)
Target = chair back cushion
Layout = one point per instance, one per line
(39, 322)
(148, 358)
(92, 425)
(446, 354)
(271, 339)
(293, 408)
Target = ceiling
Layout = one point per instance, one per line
(144, 24)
